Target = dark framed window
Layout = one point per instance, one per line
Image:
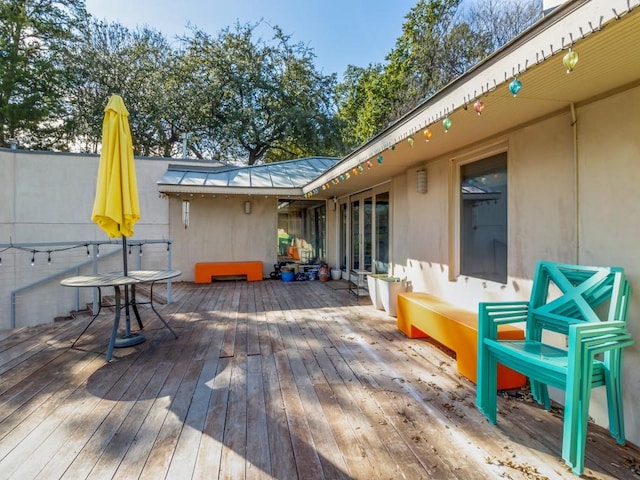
(483, 218)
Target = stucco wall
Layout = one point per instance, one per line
(219, 230)
(575, 206)
(609, 152)
(48, 197)
(541, 221)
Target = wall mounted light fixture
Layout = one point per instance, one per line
(247, 207)
(421, 181)
(185, 213)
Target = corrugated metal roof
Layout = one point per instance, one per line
(290, 174)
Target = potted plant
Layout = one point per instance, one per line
(374, 289)
(336, 274)
(388, 290)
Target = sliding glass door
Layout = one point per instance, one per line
(364, 231)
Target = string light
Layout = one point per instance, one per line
(51, 252)
(570, 60)
(515, 86)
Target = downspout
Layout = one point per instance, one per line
(576, 167)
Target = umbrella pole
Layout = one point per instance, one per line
(129, 339)
(125, 256)
(125, 265)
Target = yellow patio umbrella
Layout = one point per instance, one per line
(116, 208)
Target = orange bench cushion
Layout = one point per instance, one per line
(422, 315)
(204, 272)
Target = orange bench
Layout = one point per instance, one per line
(422, 315)
(207, 271)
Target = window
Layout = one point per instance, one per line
(382, 233)
(483, 218)
(301, 231)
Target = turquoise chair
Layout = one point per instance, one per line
(589, 306)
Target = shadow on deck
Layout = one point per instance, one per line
(266, 380)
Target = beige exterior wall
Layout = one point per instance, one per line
(57, 191)
(609, 152)
(219, 230)
(48, 197)
(574, 205)
(541, 208)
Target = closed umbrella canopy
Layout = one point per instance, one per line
(116, 208)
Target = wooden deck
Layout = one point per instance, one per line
(267, 380)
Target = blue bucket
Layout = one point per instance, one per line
(287, 276)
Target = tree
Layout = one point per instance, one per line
(499, 21)
(365, 102)
(138, 65)
(440, 41)
(257, 100)
(34, 38)
(415, 65)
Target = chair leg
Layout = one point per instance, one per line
(540, 393)
(614, 396)
(569, 426)
(576, 414)
(583, 419)
(487, 384)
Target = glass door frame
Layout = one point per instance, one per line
(366, 199)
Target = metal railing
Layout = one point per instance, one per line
(13, 273)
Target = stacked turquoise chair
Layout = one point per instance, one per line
(589, 306)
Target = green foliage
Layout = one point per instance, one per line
(234, 96)
(139, 66)
(365, 100)
(258, 100)
(34, 39)
(439, 42)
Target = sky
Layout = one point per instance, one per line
(340, 32)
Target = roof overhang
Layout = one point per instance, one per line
(606, 35)
(204, 190)
(271, 179)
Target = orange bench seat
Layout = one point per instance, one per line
(205, 272)
(422, 315)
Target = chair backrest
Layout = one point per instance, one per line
(578, 291)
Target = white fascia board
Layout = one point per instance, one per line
(201, 190)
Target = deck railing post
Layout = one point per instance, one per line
(77, 293)
(95, 307)
(168, 268)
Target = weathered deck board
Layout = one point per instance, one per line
(267, 380)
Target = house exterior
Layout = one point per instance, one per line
(463, 212)
(548, 174)
(517, 160)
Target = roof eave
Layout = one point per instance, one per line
(243, 191)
